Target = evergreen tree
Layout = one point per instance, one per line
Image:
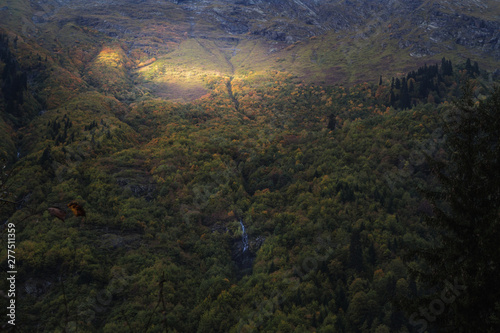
(468, 65)
(332, 122)
(372, 254)
(446, 67)
(472, 70)
(475, 68)
(466, 262)
(356, 251)
(397, 84)
(411, 87)
(393, 99)
(46, 159)
(405, 100)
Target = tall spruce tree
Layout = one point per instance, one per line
(463, 267)
(405, 99)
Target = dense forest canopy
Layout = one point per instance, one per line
(149, 196)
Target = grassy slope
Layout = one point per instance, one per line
(329, 59)
(16, 15)
(184, 59)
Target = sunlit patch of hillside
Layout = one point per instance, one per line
(180, 75)
(109, 72)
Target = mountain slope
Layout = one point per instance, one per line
(236, 171)
(358, 40)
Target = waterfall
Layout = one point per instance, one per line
(244, 237)
(241, 254)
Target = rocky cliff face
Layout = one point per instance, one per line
(422, 27)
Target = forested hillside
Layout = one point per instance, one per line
(185, 192)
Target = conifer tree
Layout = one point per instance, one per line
(465, 263)
(332, 122)
(356, 251)
(397, 84)
(405, 100)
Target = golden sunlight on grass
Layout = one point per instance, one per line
(108, 71)
(112, 56)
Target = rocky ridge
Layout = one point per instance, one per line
(422, 27)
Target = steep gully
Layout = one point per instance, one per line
(242, 256)
(231, 95)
